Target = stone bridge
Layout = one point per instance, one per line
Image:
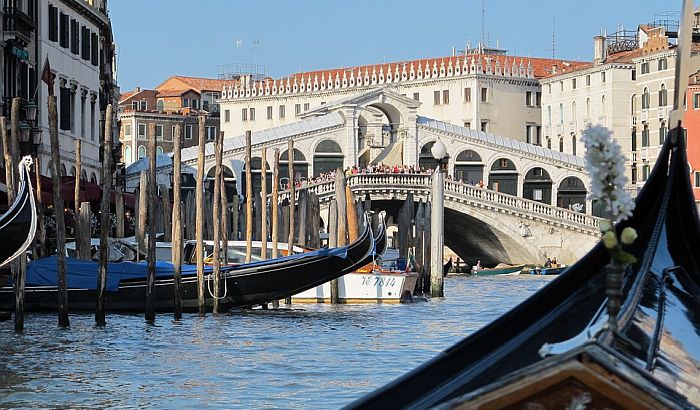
(481, 223)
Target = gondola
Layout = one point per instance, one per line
(557, 350)
(18, 224)
(242, 285)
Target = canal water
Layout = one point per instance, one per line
(303, 356)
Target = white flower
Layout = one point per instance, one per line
(606, 165)
(628, 235)
(609, 239)
(604, 226)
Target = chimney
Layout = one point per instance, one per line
(554, 68)
(599, 50)
(138, 89)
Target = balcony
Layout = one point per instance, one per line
(19, 24)
(634, 157)
(572, 126)
(644, 115)
(663, 113)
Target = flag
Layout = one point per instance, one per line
(411, 263)
(47, 76)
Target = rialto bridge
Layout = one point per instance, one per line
(382, 127)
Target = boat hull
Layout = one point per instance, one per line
(364, 287)
(510, 271)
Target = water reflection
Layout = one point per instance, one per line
(305, 356)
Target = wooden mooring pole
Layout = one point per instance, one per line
(58, 210)
(152, 198)
(77, 205)
(275, 204)
(216, 209)
(263, 205)
(248, 199)
(177, 224)
(292, 202)
(199, 223)
(142, 214)
(105, 220)
(84, 223)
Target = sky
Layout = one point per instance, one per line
(160, 38)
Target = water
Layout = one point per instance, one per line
(308, 356)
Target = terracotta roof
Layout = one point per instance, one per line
(138, 94)
(199, 84)
(172, 93)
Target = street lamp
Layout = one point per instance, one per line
(437, 219)
(30, 109)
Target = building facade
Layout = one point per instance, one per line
(493, 93)
(691, 122)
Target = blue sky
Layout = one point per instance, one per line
(159, 38)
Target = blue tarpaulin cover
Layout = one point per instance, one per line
(83, 274)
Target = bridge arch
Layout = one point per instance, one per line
(571, 194)
(328, 156)
(256, 174)
(301, 165)
(503, 176)
(537, 185)
(229, 180)
(469, 167)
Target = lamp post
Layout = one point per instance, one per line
(437, 234)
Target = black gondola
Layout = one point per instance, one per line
(18, 224)
(556, 350)
(242, 285)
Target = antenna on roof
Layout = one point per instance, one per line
(483, 22)
(554, 32)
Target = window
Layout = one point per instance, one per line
(445, 96)
(252, 114)
(92, 118)
(127, 129)
(561, 86)
(561, 113)
(188, 132)
(645, 99)
(85, 43)
(185, 102)
(142, 131)
(416, 96)
(53, 23)
(159, 105)
(528, 98)
(662, 64)
(645, 172)
(634, 175)
(269, 112)
(561, 144)
(573, 83)
(697, 180)
(94, 50)
(484, 94)
(172, 132)
(549, 143)
(645, 67)
(144, 105)
(662, 133)
(142, 151)
(227, 115)
(74, 36)
(602, 77)
(63, 41)
(588, 108)
(549, 89)
(297, 109)
(436, 97)
(65, 106)
(244, 114)
(588, 80)
(663, 98)
(467, 124)
(195, 103)
(159, 132)
(645, 136)
(485, 126)
(538, 99)
(281, 111)
(537, 194)
(211, 133)
(504, 163)
(538, 135)
(634, 75)
(306, 106)
(696, 101)
(127, 155)
(573, 144)
(549, 115)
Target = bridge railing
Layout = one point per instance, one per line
(420, 183)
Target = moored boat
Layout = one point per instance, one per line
(18, 224)
(242, 285)
(501, 269)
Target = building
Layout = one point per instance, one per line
(691, 122)
(75, 37)
(473, 91)
(175, 104)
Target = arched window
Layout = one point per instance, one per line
(127, 155)
(573, 144)
(93, 178)
(588, 108)
(328, 156)
(72, 171)
(663, 100)
(633, 104)
(561, 144)
(63, 170)
(83, 176)
(469, 167)
(662, 132)
(561, 113)
(301, 167)
(142, 151)
(549, 115)
(159, 150)
(645, 99)
(159, 105)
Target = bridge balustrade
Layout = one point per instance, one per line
(419, 184)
